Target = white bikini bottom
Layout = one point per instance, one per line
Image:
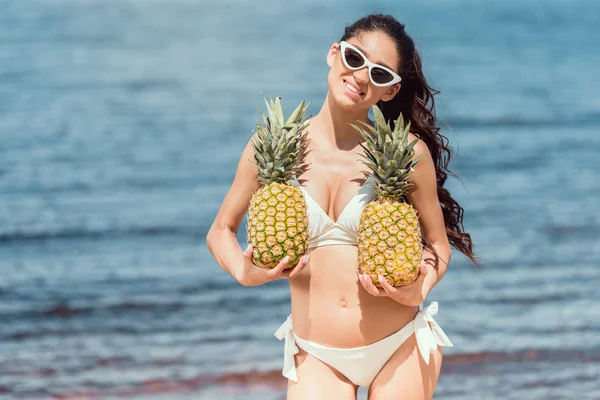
(362, 364)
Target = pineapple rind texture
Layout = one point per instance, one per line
(277, 225)
(389, 243)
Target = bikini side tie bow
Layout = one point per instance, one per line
(285, 331)
(428, 333)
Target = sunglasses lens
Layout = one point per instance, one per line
(353, 59)
(381, 76)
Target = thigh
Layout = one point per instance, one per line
(406, 376)
(318, 381)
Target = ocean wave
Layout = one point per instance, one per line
(582, 120)
(467, 363)
(194, 232)
(533, 300)
(36, 305)
(64, 310)
(526, 355)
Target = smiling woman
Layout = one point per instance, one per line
(346, 332)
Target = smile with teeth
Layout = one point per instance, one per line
(352, 88)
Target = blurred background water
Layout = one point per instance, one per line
(121, 124)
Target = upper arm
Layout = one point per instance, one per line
(424, 197)
(236, 202)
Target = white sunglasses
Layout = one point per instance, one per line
(354, 59)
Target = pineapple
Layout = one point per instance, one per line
(389, 236)
(277, 215)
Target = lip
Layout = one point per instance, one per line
(351, 93)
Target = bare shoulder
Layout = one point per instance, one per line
(424, 171)
(421, 147)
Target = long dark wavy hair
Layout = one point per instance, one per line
(415, 102)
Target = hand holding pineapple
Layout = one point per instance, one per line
(410, 295)
(248, 274)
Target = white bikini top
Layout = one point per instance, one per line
(322, 231)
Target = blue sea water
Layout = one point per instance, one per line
(121, 124)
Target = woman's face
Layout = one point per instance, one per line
(379, 48)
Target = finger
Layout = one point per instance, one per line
(423, 270)
(361, 279)
(299, 267)
(275, 272)
(292, 272)
(389, 289)
(364, 281)
(248, 252)
(375, 289)
(370, 285)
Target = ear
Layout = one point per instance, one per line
(334, 50)
(391, 92)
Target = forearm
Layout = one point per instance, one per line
(223, 245)
(434, 276)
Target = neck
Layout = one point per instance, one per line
(335, 121)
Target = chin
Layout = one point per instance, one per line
(337, 91)
(346, 103)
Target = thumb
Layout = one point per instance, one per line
(423, 269)
(248, 252)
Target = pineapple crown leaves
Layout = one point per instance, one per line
(388, 155)
(280, 144)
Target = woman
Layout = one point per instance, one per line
(347, 332)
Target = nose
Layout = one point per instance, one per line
(361, 76)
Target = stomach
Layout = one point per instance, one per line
(330, 306)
